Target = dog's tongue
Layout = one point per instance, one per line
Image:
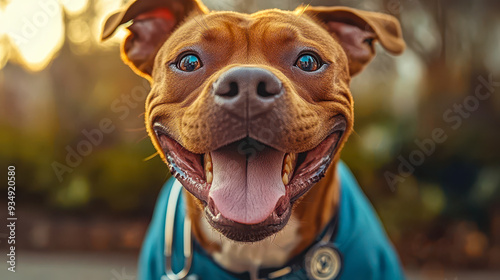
(246, 191)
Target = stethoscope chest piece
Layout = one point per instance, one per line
(323, 262)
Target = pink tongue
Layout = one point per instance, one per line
(246, 192)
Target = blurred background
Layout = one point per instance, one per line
(425, 148)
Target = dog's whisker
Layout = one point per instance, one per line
(204, 21)
(274, 238)
(151, 156)
(204, 26)
(277, 245)
(201, 25)
(355, 133)
(142, 139)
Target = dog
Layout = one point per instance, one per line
(250, 113)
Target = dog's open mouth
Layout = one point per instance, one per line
(248, 188)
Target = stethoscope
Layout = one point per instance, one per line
(322, 261)
(173, 198)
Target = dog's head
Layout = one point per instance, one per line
(249, 110)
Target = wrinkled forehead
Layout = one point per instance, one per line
(266, 27)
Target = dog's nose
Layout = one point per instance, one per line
(247, 91)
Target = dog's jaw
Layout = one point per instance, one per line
(299, 233)
(273, 251)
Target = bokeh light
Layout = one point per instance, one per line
(74, 7)
(34, 29)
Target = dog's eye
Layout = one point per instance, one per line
(308, 63)
(189, 63)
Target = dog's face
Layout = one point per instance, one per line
(249, 111)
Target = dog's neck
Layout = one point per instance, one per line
(310, 216)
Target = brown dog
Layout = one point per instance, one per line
(250, 111)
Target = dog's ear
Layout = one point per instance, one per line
(357, 30)
(152, 23)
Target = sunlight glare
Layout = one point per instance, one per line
(35, 30)
(32, 31)
(74, 7)
(4, 50)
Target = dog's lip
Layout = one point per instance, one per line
(311, 166)
(184, 165)
(250, 232)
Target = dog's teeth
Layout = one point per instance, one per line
(209, 177)
(208, 168)
(285, 179)
(288, 165)
(288, 168)
(208, 161)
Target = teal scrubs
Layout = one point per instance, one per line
(366, 251)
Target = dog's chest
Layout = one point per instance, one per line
(238, 257)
